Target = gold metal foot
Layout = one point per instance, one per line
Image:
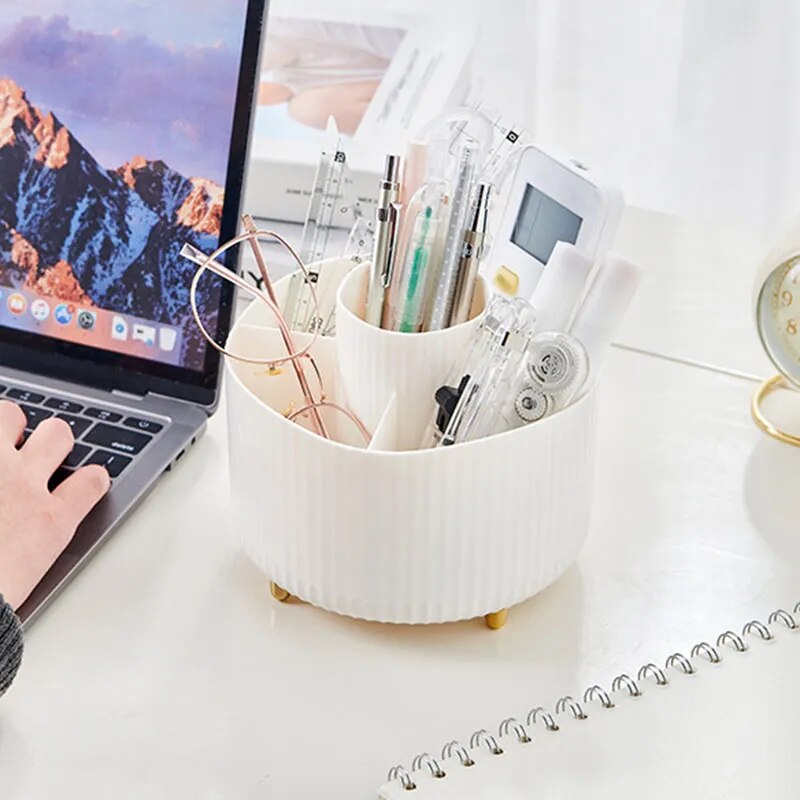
(496, 620)
(278, 592)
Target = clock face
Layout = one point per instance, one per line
(779, 317)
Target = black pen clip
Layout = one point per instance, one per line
(447, 398)
(393, 212)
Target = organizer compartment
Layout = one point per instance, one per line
(407, 537)
(376, 364)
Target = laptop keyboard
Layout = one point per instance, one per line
(102, 436)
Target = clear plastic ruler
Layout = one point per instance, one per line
(332, 195)
(507, 138)
(444, 288)
(360, 240)
(506, 144)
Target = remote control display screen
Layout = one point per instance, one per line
(541, 222)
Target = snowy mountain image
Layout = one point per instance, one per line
(73, 229)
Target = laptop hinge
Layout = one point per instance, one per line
(128, 395)
(158, 396)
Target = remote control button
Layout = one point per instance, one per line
(143, 425)
(507, 281)
(79, 452)
(35, 415)
(103, 414)
(64, 405)
(24, 396)
(113, 462)
(117, 438)
(2, 388)
(78, 424)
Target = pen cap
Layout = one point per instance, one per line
(391, 170)
(598, 318)
(416, 165)
(560, 288)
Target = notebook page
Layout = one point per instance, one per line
(727, 731)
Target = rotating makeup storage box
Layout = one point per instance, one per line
(414, 536)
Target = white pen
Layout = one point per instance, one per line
(386, 215)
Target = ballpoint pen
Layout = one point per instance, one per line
(386, 215)
(471, 253)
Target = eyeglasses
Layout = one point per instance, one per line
(314, 400)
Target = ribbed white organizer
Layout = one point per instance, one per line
(417, 536)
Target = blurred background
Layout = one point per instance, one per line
(691, 106)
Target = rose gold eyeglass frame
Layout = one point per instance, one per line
(298, 358)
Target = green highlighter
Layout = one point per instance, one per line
(413, 304)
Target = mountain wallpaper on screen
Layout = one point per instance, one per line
(75, 230)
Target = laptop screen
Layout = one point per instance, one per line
(116, 128)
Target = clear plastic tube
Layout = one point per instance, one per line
(418, 246)
(438, 313)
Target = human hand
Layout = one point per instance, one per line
(36, 524)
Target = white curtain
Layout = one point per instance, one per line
(693, 106)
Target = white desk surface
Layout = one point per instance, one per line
(167, 671)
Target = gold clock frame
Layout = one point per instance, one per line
(766, 388)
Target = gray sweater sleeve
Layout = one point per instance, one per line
(10, 645)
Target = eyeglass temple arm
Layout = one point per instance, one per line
(316, 418)
(198, 257)
(191, 253)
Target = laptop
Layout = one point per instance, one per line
(123, 134)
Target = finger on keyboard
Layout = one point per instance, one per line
(82, 490)
(12, 423)
(47, 447)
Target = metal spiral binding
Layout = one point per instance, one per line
(566, 702)
(427, 760)
(456, 748)
(600, 693)
(400, 773)
(759, 627)
(513, 724)
(482, 738)
(732, 640)
(628, 683)
(656, 672)
(784, 616)
(708, 651)
(683, 663)
(536, 713)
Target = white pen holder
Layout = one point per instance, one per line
(376, 364)
(379, 533)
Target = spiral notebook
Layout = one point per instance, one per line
(719, 721)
